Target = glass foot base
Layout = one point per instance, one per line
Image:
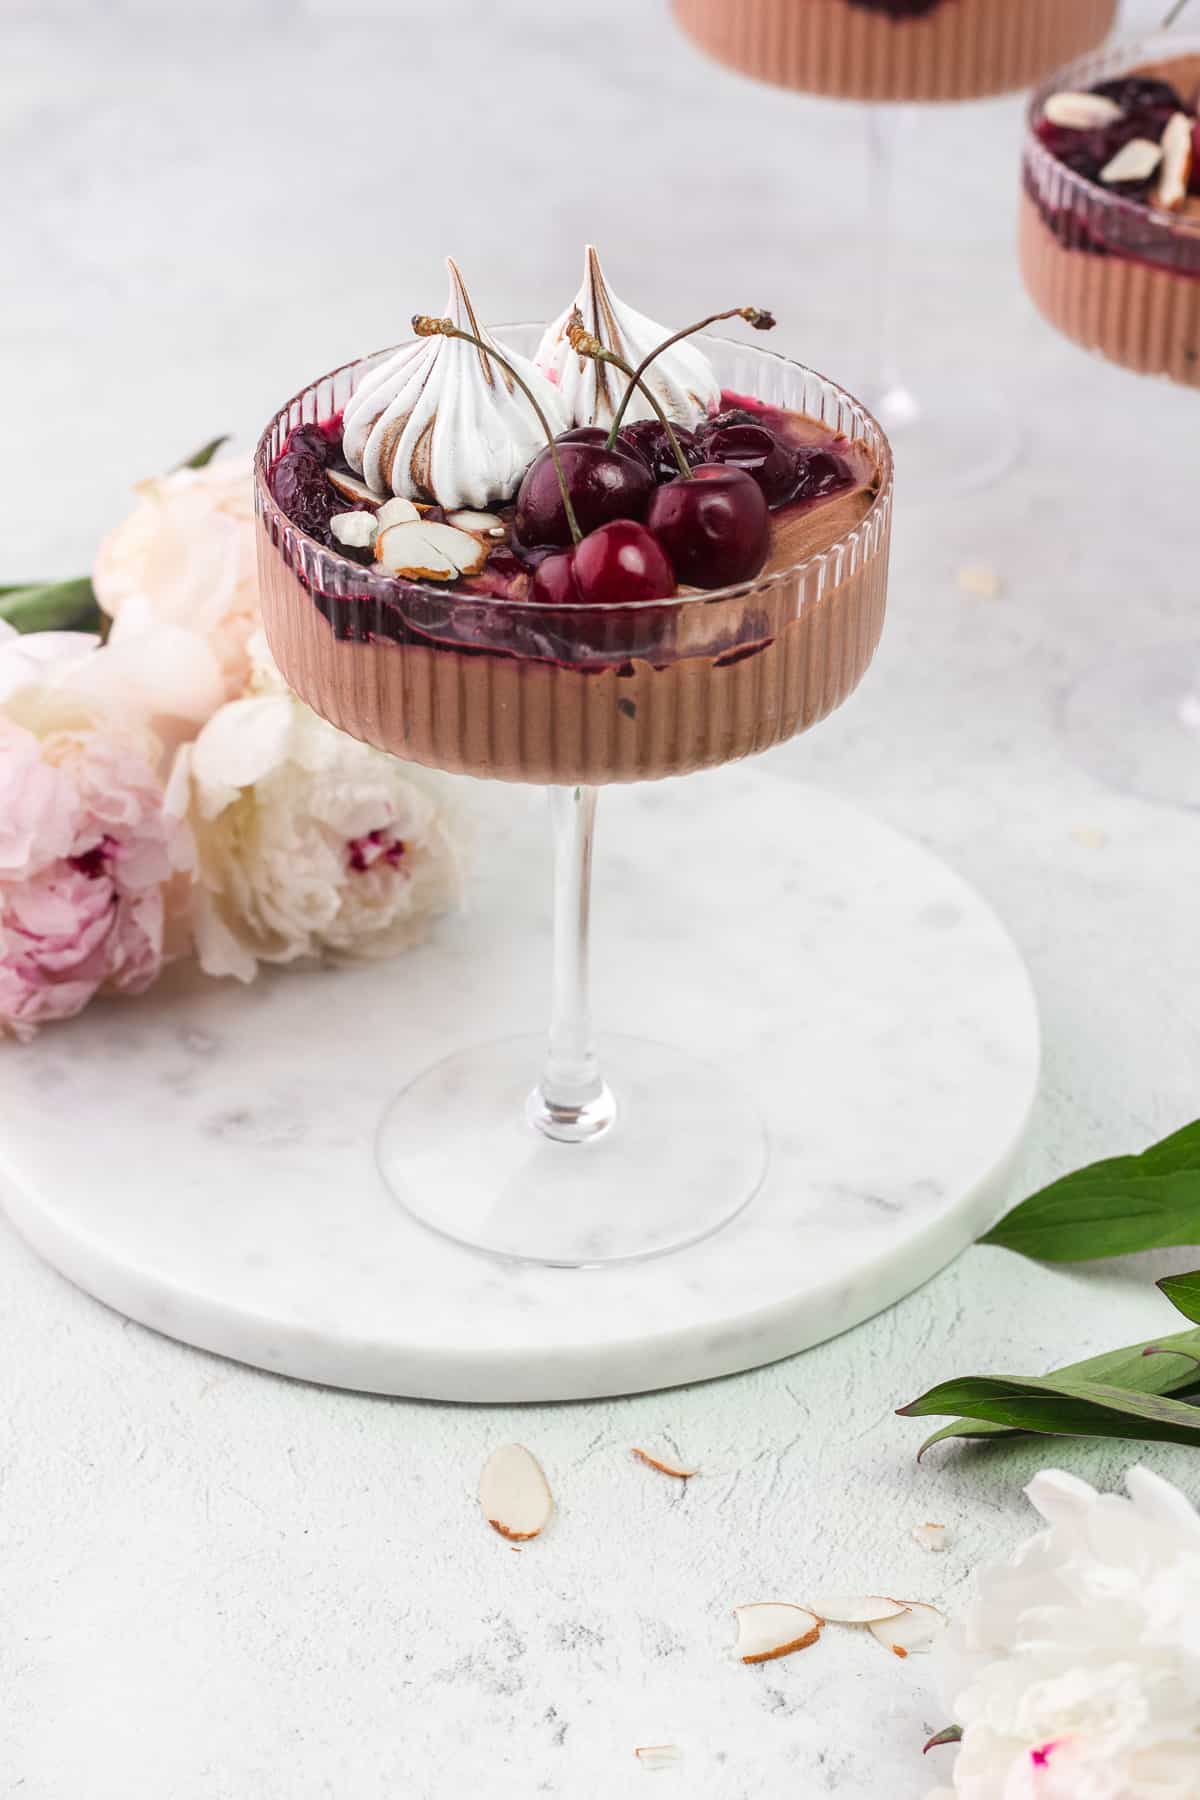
(1135, 723)
(945, 446)
(684, 1153)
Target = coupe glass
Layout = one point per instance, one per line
(950, 438)
(1124, 282)
(623, 1148)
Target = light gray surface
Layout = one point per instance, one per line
(219, 1586)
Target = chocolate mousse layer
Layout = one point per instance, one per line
(1114, 274)
(893, 50)
(516, 691)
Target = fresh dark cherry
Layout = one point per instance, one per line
(603, 485)
(554, 582)
(1141, 94)
(299, 485)
(819, 472)
(313, 440)
(646, 439)
(715, 527)
(759, 452)
(620, 563)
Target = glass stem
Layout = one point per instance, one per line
(571, 1102)
(887, 129)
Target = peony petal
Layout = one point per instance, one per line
(240, 745)
(1062, 1499)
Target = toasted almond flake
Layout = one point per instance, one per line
(979, 578)
(657, 1756)
(767, 1629)
(350, 487)
(354, 529)
(856, 1609)
(1134, 161)
(930, 1535)
(429, 552)
(514, 1493)
(664, 1468)
(1080, 112)
(483, 524)
(1176, 171)
(397, 512)
(912, 1631)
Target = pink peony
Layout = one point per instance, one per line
(87, 849)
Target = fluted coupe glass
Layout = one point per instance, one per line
(1124, 282)
(624, 1148)
(950, 437)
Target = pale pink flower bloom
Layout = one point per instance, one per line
(186, 556)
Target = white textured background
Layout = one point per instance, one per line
(218, 1586)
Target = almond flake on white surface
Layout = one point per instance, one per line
(354, 529)
(483, 524)
(979, 578)
(767, 1629)
(856, 1609)
(930, 1535)
(1176, 171)
(426, 552)
(657, 1756)
(514, 1493)
(913, 1631)
(1080, 112)
(351, 488)
(664, 1468)
(1134, 161)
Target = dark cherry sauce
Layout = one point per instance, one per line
(900, 9)
(476, 617)
(1135, 230)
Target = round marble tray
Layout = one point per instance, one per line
(201, 1158)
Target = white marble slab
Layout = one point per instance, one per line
(203, 1160)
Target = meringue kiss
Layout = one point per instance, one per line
(681, 378)
(439, 420)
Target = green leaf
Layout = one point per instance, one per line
(1129, 1368)
(1183, 1291)
(1112, 1208)
(949, 1734)
(1061, 1407)
(52, 606)
(201, 458)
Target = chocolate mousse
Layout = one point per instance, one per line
(892, 50)
(660, 574)
(1110, 209)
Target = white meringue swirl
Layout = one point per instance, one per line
(681, 379)
(439, 420)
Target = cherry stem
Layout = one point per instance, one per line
(1174, 13)
(753, 315)
(1170, 1350)
(586, 343)
(426, 326)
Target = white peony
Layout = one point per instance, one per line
(1075, 1672)
(309, 843)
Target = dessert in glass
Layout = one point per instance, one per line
(1110, 253)
(891, 53)
(573, 555)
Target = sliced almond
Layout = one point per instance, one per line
(857, 1609)
(514, 1494)
(483, 524)
(912, 1631)
(397, 512)
(1176, 171)
(1134, 161)
(1080, 112)
(771, 1628)
(930, 1535)
(664, 1468)
(657, 1756)
(350, 487)
(354, 529)
(425, 552)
